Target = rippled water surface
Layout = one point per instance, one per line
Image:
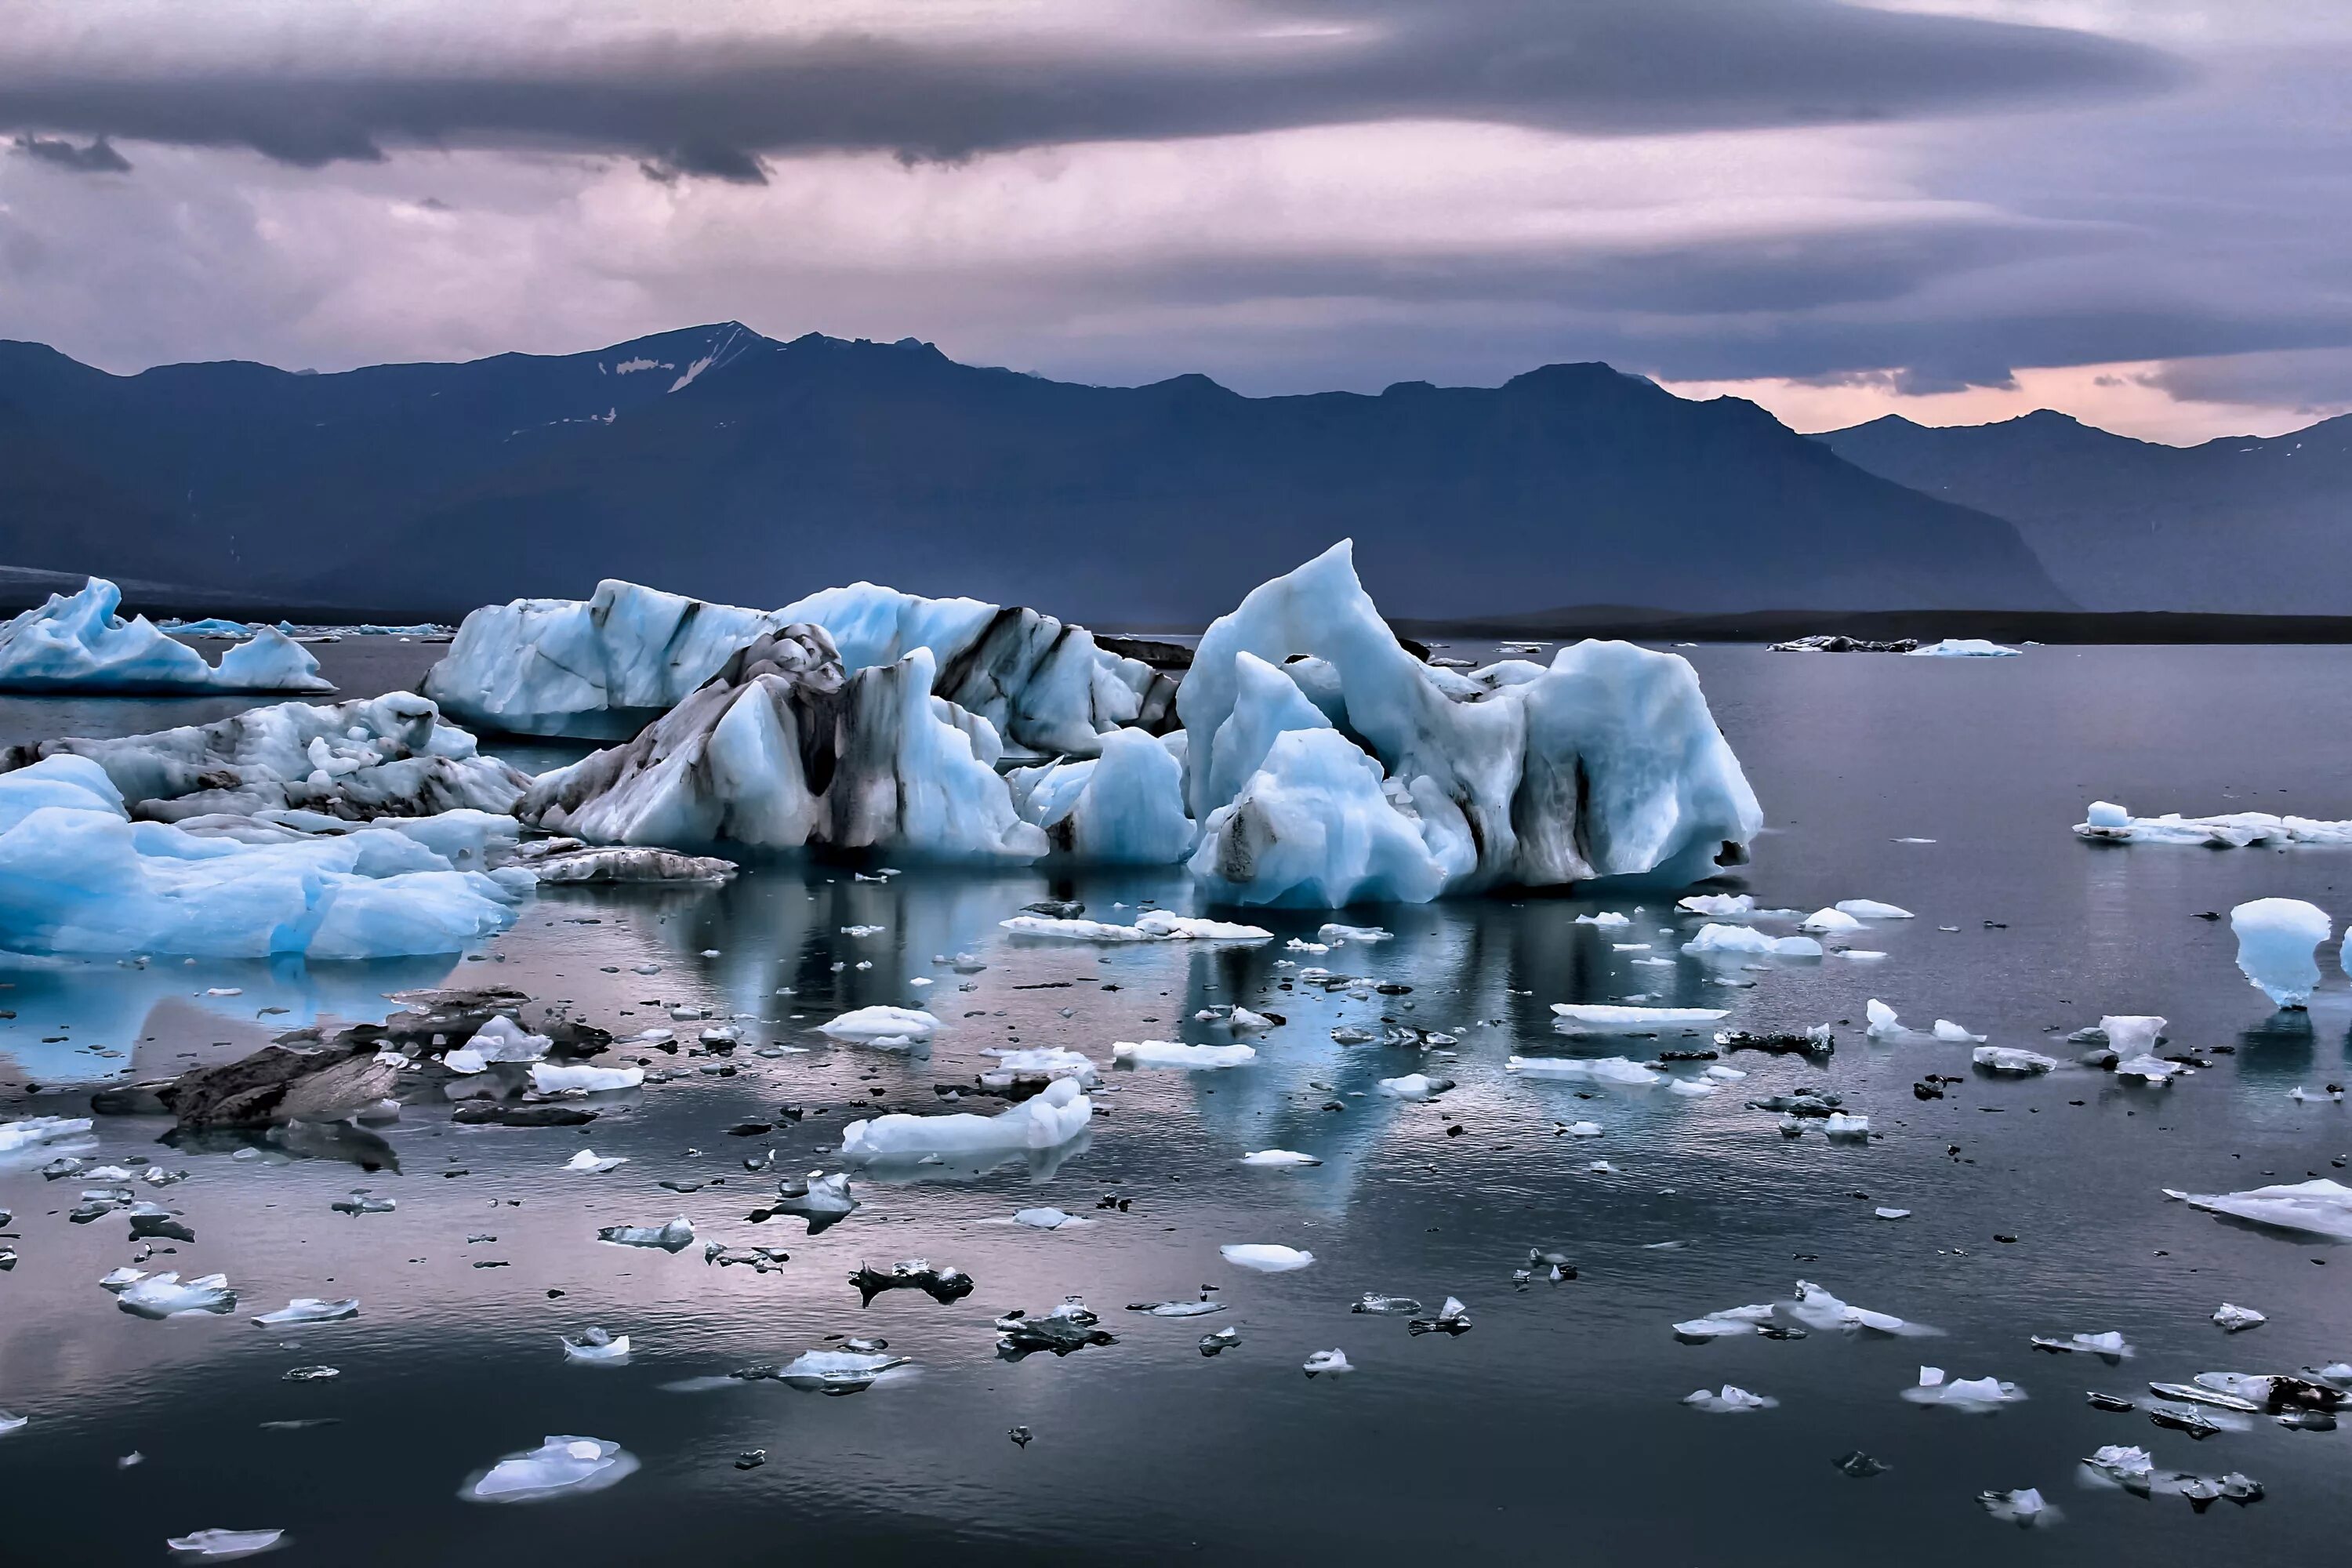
(1553, 1426)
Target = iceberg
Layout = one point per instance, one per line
(1596, 1018)
(374, 757)
(33, 1131)
(1053, 1117)
(2109, 823)
(604, 667)
(557, 1468)
(79, 877)
(1727, 939)
(1604, 763)
(781, 749)
(1961, 648)
(2233, 1318)
(1577, 1069)
(2276, 939)
(1264, 1257)
(2318, 1207)
(1168, 1054)
(77, 643)
(1125, 805)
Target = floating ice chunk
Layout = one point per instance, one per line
(1264, 1257)
(595, 1345)
(2152, 1070)
(2011, 1059)
(1729, 1323)
(595, 1164)
(2025, 1507)
(1334, 1362)
(1046, 1218)
(675, 1237)
(32, 1131)
(2111, 1344)
(1242, 1018)
(1583, 1129)
(1961, 648)
(820, 1199)
(1717, 904)
(1605, 1069)
(868, 1024)
(77, 643)
(2276, 938)
(1841, 1125)
(160, 1296)
(1037, 1065)
(359, 1202)
(1335, 934)
(1199, 1309)
(2317, 1207)
(2110, 823)
(1871, 909)
(1816, 1308)
(311, 1310)
(1733, 1401)
(551, 1077)
(1726, 939)
(2235, 1319)
(559, 1466)
(941, 1282)
(1414, 1086)
(1883, 1023)
(2132, 1035)
(504, 1040)
(1883, 1212)
(225, 1545)
(1278, 1159)
(2329, 1096)
(1169, 1054)
(1153, 925)
(1969, 1393)
(1052, 1118)
(1828, 920)
(1689, 1088)
(1599, 1018)
(1453, 1318)
(1607, 919)
(1947, 1030)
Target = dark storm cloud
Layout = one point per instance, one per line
(715, 105)
(99, 158)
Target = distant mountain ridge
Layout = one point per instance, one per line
(714, 460)
(2122, 524)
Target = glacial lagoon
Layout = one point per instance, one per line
(1556, 1423)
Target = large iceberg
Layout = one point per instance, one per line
(381, 756)
(605, 668)
(2276, 939)
(783, 749)
(77, 643)
(79, 877)
(1604, 763)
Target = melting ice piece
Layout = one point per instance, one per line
(1583, 1129)
(1046, 1218)
(675, 1237)
(2318, 1207)
(1816, 1308)
(1169, 1054)
(1596, 1018)
(1729, 1323)
(1891, 1214)
(225, 1545)
(160, 1296)
(360, 1201)
(1841, 1125)
(32, 1131)
(1871, 909)
(1334, 1362)
(595, 1164)
(1828, 920)
(595, 1345)
(1948, 1030)
(1050, 1119)
(1961, 648)
(1884, 1024)
(1036, 1065)
(2276, 938)
(1968, 1393)
(12, 1423)
(551, 1077)
(1414, 1086)
(1199, 1309)
(1733, 1401)
(1335, 934)
(1577, 1069)
(1607, 919)
(943, 1282)
(2235, 1319)
(2110, 1344)
(2132, 1033)
(879, 1023)
(820, 1199)
(1748, 939)
(1278, 1159)
(504, 1040)
(1266, 1257)
(1067, 1327)
(2011, 1059)
(557, 1468)
(2025, 1508)
(1717, 904)
(310, 1309)
(1453, 1318)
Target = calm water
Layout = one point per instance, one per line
(1554, 1424)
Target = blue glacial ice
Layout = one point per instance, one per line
(2276, 940)
(79, 643)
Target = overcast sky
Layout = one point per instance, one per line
(2139, 211)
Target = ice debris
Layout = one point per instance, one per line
(559, 1466)
(1069, 1327)
(1615, 1070)
(311, 1310)
(1168, 1054)
(2236, 1319)
(876, 1025)
(595, 1345)
(2276, 938)
(218, 1545)
(1264, 1258)
(2011, 1060)
(594, 1163)
(675, 1237)
(1414, 1086)
(2025, 1508)
(2234, 830)
(943, 1282)
(1871, 909)
(1816, 1308)
(1453, 1318)
(1153, 925)
(1596, 1018)
(1052, 1118)
(1333, 1361)
(1278, 1159)
(1732, 1401)
(1715, 938)
(1962, 647)
(1967, 1393)
(160, 1296)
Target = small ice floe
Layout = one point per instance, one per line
(1348, 1035)
(1600, 1168)
(500, 1040)
(2317, 1207)
(1555, 1267)
(1951, 1033)
(2237, 1320)
(1198, 1309)
(1974, 1395)
(675, 1237)
(1278, 1159)
(225, 1545)
(2276, 938)
(1607, 919)
(943, 1282)
(1615, 1070)
(579, 1077)
(1044, 1121)
(1581, 1130)
(1689, 1088)
(311, 1310)
(2133, 1470)
(1241, 1020)
(1266, 1257)
(1046, 1218)
(2110, 1345)
(1372, 1301)
(856, 931)
(1883, 1023)
(1335, 934)
(2013, 1060)
(559, 1466)
(819, 1199)
(1816, 1308)
(835, 1373)
(1334, 1362)
(361, 1201)
(875, 1025)
(1414, 1086)
(1871, 909)
(1595, 1018)
(1453, 1318)
(1828, 920)
(1036, 1066)
(1961, 648)
(1069, 1327)
(1297, 944)
(1220, 1340)
(2025, 1508)
(595, 1345)
(1153, 925)
(1169, 1054)
(594, 1163)
(32, 1131)
(1883, 1212)
(1738, 940)
(2332, 1094)
(1731, 1322)
(761, 1259)
(1732, 1401)
(1840, 1125)
(160, 1296)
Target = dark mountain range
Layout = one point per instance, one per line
(2132, 525)
(719, 462)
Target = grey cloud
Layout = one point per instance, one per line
(2314, 380)
(715, 106)
(99, 158)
